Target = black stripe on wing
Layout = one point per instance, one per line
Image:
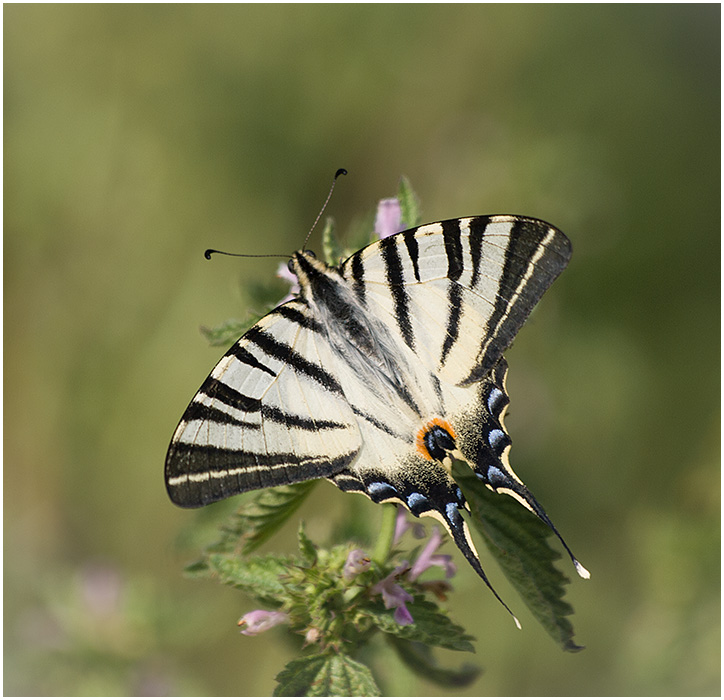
(285, 353)
(309, 423)
(244, 356)
(413, 250)
(382, 427)
(453, 248)
(535, 254)
(230, 472)
(198, 411)
(453, 251)
(298, 313)
(222, 392)
(396, 282)
(475, 242)
(358, 278)
(454, 312)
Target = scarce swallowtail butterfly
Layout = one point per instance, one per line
(378, 374)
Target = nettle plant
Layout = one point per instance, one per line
(340, 599)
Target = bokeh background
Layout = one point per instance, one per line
(137, 136)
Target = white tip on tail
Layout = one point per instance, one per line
(583, 572)
(517, 622)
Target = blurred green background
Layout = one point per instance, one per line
(137, 136)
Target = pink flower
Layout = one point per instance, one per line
(102, 590)
(312, 636)
(395, 596)
(402, 616)
(258, 621)
(389, 217)
(357, 562)
(428, 558)
(284, 273)
(402, 525)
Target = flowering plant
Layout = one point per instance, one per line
(338, 598)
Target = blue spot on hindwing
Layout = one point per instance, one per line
(416, 502)
(453, 515)
(381, 490)
(495, 437)
(496, 477)
(493, 399)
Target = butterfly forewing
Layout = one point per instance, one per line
(268, 414)
(458, 291)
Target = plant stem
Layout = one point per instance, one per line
(386, 535)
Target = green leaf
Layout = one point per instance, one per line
(360, 233)
(198, 569)
(260, 577)
(331, 248)
(326, 675)
(307, 548)
(430, 626)
(409, 204)
(228, 331)
(519, 542)
(261, 297)
(257, 519)
(420, 659)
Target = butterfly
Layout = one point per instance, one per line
(378, 374)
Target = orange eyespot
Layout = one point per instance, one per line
(423, 441)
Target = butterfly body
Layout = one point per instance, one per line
(378, 374)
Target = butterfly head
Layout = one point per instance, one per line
(303, 262)
(316, 279)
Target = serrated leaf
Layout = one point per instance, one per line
(326, 675)
(257, 519)
(430, 626)
(331, 248)
(409, 204)
(360, 233)
(519, 542)
(228, 331)
(420, 659)
(266, 293)
(270, 510)
(307, 548)
(259, 296)
(260, 577)
(198, 569)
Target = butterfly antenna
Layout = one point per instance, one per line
(212, 251)
(339, 172)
